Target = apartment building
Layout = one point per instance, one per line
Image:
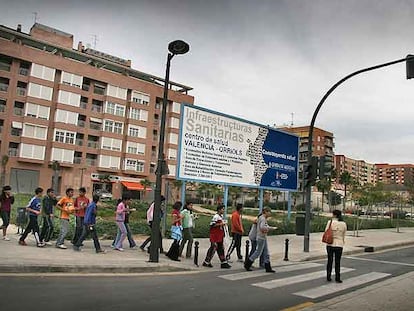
(86, 110)
(400, 174)
(361, 171)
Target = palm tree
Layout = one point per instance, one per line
(345, 179)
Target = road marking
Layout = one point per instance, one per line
(296, 279)
(328, 289)
(382, 261)
(261, 272)
(299, 306)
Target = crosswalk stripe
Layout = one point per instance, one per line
(324, 290)
(261, 272)
(296, 279)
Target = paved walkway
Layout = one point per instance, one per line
(15, 258)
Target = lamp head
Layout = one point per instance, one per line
(178, 47)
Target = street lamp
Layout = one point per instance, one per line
(410, 74)
(176, 47)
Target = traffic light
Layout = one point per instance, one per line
(409, 64)
(325, 166)
(309, 176)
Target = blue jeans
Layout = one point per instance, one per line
(254, 246)
(261, 250)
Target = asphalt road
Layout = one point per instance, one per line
(297, 284)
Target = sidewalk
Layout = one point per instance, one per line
(27, 259)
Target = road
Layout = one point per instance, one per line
(235, 289)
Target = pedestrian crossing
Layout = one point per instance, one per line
(278, 281)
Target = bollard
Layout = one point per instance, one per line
(196, 253)
(286, 250)
(247, 250)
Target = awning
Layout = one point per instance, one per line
(131, 185)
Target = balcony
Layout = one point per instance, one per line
(81, 123)
(93, 144)
(5, 67)
(79, 142)
(4, 87)
(95, 126)
(77, 160)
(16, 132)
(83, 105)
(85, 87)
(91, 162)
(21, 91)
(2, 108)
(18, 111)
(96, 108)
(23, 71)
(13, 152)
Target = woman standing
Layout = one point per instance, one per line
(176, 232)
(6, 201)
(339, 228)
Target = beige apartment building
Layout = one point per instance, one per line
(85, 109)
(361, 171)
(400, 174)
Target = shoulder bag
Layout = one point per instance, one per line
(328, 235)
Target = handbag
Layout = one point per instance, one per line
(328, 235)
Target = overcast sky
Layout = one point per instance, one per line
(270, 62)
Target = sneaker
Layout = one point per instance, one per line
(142, 248)
(6, 238)
(208, 265)
(61, 246)
(23, 243)
(119, 249)
(112, 246)
(48, 243)
(225, 266)
(132, 247)
(76, 248)
(41, 244)
(101, 251)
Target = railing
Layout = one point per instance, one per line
(2, 108)
(4, 87)
(90, 162)
(99, 91)
(93, 144)
(79, 142)
(21, 91)
(18, 111)
(13, 152)
(23, 71)
(94, 126)
(96, 108)
(81, 123)
(5, 67)
(77, 160)
(83, 105)
(85, 87)
(16, 132)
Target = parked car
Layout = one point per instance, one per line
(104, 195)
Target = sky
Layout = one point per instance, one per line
(265, 61)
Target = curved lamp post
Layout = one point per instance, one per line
(176, 47)
(410, 71)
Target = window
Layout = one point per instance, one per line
(171, 169)
(71, 79)
(172, 154)
(43, 72)
(99, 89)
(67, 117)
(69, 98)
(175, 123)
(175, 107)
(137, 131)
(34, 131)
(138, 114)
(140, 98)
(115, 109)
(37, 111)
(66, 137)
(116, 91)
(135, 148)
(32, 151)
(173, 138)
(134, 165)
(113, 126)
(40, 91)
(109, 161)
(62, 155)
(111, 144)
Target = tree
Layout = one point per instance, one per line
(345, 179)
(146, 184)
(323, 186)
